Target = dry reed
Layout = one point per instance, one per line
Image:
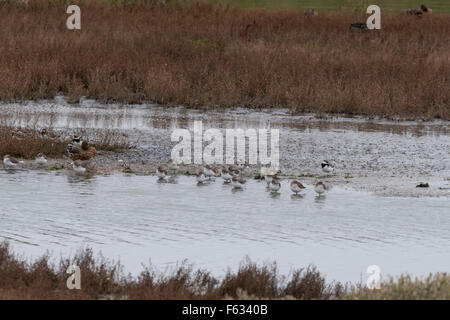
(204, 55)
(105, 279)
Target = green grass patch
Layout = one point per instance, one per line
(333, 5)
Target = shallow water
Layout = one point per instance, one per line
(91, 115)
(135, 218)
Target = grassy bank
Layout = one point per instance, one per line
(104, 279)
(386, 5)
(196, 54)
(27, 143)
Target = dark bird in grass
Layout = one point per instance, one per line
(419, 11)
(311, 13)
(359, 26)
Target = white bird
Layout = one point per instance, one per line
(76, 141)
(227, 175)
(40, 160)
(268, 179)
(327, 166)
(161, 172)
(297, 186)
(320, 188)
(78, 168)
(208, 171)
(201, 178)
(10, 162)
(172, 165)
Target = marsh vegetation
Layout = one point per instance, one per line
(199, 54)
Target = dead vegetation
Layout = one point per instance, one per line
(27, 143)
(105, 279)
(204, 55)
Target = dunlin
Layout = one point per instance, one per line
(274, 185)
(78, 167)
(238, 182)
(320, 188)
(217, 172)
(162, 172)
(172, 165)
(208, 171)
(297, 186)
(40, 160)
(268, 179)
(227, 175)
(201, 178)
(245, 168)
(10, 162)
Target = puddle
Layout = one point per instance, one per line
(135, 218)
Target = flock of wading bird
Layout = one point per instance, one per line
(78, 150)
(81, 154)
(417, 12)
(235, 175)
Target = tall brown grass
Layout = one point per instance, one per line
(28, 142)
(105, 279)
(203, 55)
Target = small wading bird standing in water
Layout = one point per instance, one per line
(201, 178)
(274, 185)
(238, 182)
(208, 171)
(162, 172)
(40, 160)
(227, 175)
(11, 162)
(172, 166)
(78, 168)
(320, 188)
(297, 187)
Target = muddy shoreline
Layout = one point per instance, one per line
(382, 156)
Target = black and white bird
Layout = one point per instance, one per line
(327, 166)
(75, 146)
